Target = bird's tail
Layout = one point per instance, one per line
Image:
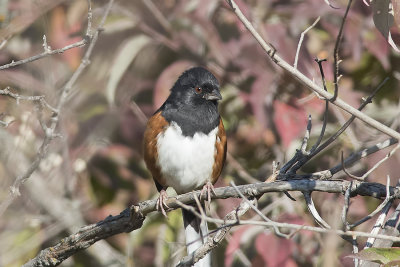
(196, 232)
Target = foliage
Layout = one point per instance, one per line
(96, 167)
(387, 256)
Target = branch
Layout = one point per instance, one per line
(298, 227)
(380, 162)
(47, 52)
(315, 150)
(336, 54)
(376, 211)
(49, 131)
(363, 153)
(306, 81)
(39, 99)
(325, 119)
(314, 212)
(265, 218)
(243, 174)
(327, 174)
(215, 238)
(132, 218)
(296, 58)
(127, 221)
(391, 228)
(47, 49)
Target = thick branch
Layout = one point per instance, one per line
(132, 218)
(129, 220)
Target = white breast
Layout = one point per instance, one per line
(186, 162)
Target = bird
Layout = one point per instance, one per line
(185, 146)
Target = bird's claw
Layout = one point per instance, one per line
(161, 202)
(207, 188)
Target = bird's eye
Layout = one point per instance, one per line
(198, 89)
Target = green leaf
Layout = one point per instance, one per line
(378, 255)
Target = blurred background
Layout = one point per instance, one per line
(96, 167)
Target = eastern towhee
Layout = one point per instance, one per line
(185, 144)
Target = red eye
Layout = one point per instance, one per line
(198, 89)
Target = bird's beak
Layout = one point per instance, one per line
(214, 95)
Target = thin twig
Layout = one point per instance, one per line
(47, 52)
(325, 119)
(346, 207)
(289, 164)
(305, 80)
(50, 131)
(355, 250)
(336, 53)
(300, 153)
(314, 212)
(202, 212)
(378, 209)
(332, 138)
(158, 15)
(301, 41)
(306, 137)
(275, 172)
(138, 112)
(217, 236)
(265, 218)
(310, 228)
(39, 99)
(240, 170)
(390, 228)
(381, 161)
(330, 5)
(132, 218)
(327, 174)
(385, 206)
(346, 171)
(362, 154)
(304, 228)
(378, 224)
(4, 124)
(239, 252)
(90, 17)
(365, 175)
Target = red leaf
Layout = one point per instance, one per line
(234, 244)
(276, 252)
(290, 121)
(259, 90)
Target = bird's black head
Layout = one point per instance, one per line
(196, 86)
(193, 102)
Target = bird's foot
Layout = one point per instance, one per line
(207, 188)
(161, 202)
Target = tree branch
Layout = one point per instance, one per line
(127, 221)
(50, 131)
(336, 53)
(47, 49)
(132, 217)
(306, 81)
